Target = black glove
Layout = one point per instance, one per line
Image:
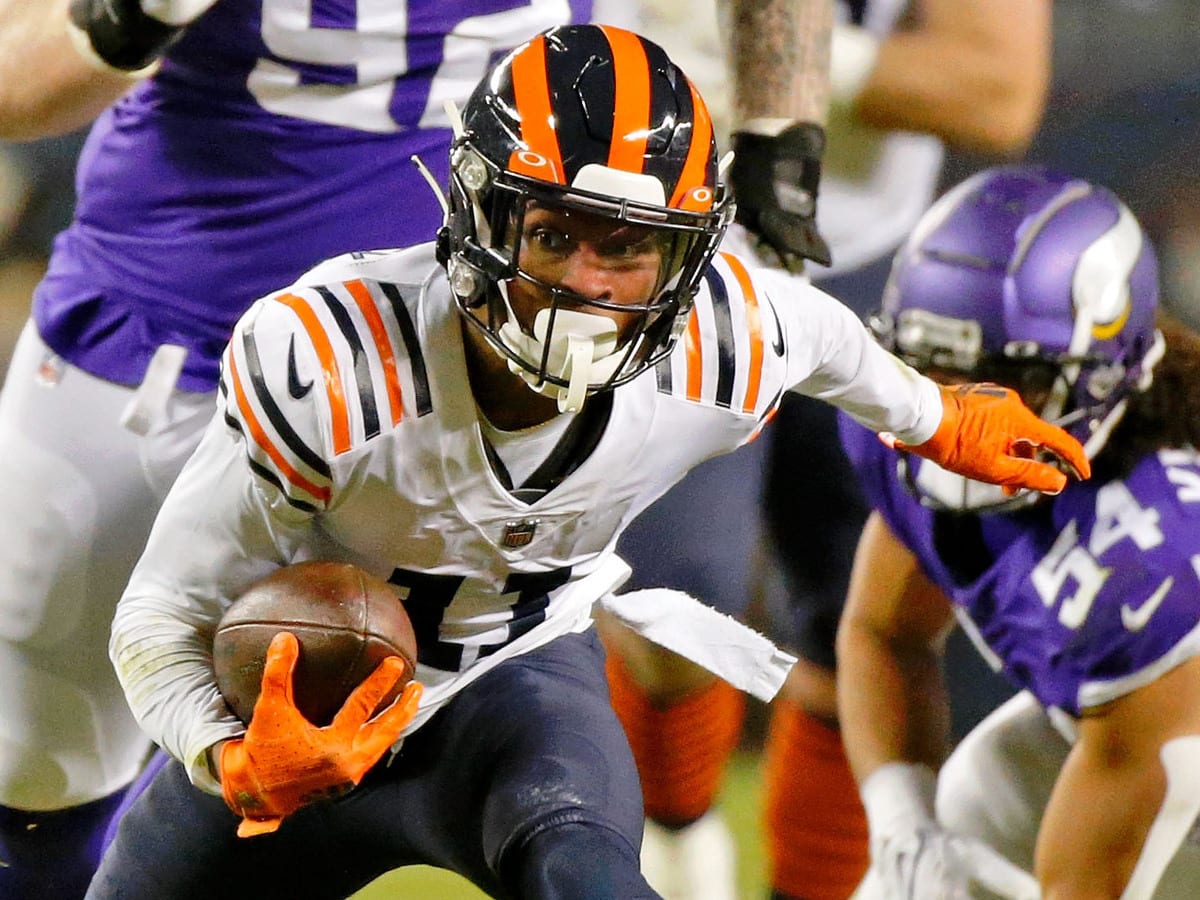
(774, 181)
(122, 34)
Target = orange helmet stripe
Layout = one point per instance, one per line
(631, 100)
(695, 166)
(531, 91)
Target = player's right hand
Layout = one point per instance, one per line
(775, 180)
(928, 863)
(914, 858)
(285, 762)
(988, 434)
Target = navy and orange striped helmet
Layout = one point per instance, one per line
(593, 119)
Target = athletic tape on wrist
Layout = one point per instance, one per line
(898, 792)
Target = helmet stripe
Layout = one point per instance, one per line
(531, 90)
(695, 165)
(631, 100)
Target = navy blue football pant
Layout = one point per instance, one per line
(523, 783)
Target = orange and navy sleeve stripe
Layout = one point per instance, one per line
(724, 352)
(275, 451)
(316, 373)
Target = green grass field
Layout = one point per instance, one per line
(739, 802)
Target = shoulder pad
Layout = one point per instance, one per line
(317, 371)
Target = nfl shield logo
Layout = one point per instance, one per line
(518, 533)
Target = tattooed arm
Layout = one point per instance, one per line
(778, 54)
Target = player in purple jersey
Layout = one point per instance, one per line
(1089, 602)
(253, 139)
(478, 419)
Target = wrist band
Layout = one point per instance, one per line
(898, 792)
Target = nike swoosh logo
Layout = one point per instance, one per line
(777, 341)
(1135, 619)
(295, 388)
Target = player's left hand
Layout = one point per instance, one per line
(988, 434)
(775, 180)
(285, 762)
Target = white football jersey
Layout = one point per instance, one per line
(347, 430)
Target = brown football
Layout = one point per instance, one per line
(345, 619)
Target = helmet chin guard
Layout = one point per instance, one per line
(582, 350)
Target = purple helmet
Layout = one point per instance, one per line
(1036, 280)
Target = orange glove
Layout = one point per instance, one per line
(988, 434)
(285, 762)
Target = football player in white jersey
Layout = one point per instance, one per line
(238, 156)
(476, 419)
(248, 141)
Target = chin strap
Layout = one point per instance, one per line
(582, 351)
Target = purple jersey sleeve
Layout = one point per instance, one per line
(267, 143)
(1080, 599)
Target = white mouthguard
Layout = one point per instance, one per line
(583, 351)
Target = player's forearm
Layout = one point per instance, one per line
(212, 537)
(778, 54)
(891, 701)
(978, 80)
(832, 357)
(164, 663)
(891, 698)
(46, 86)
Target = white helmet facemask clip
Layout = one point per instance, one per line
(943, 489)
(582, 351)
